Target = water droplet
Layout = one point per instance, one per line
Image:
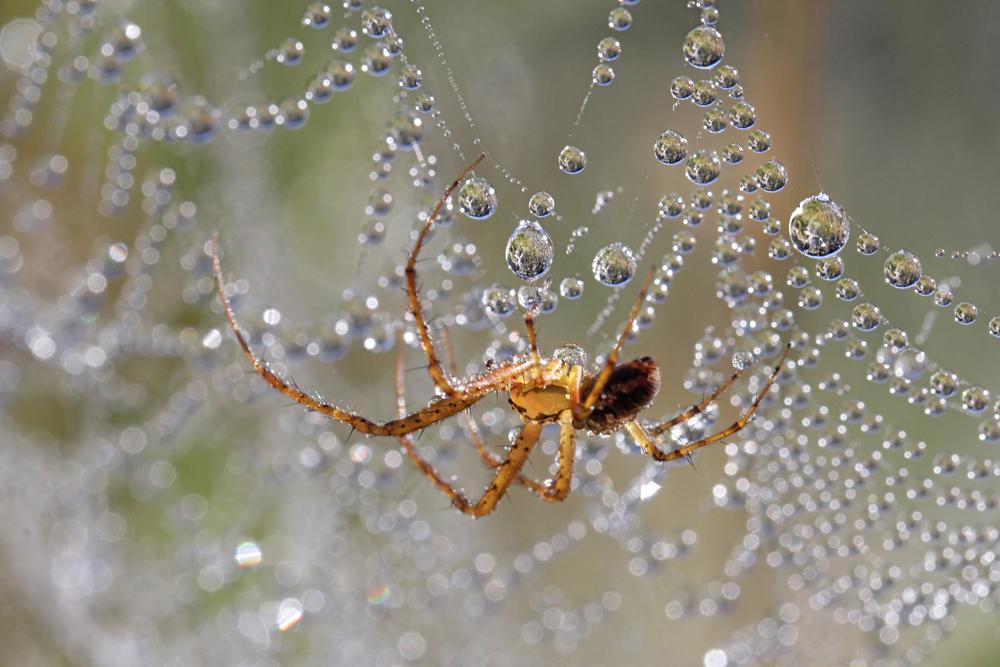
(868, 244)
(571, 288)
(703, 167)
(614, 265)
(714, 121)
(943, 296)
(682, 87)
(541, 204)
(572, 160)
(529, 251)
(975, 399)
(772, 176)
(671, 205)
(376, 22)
(994, 326)
(499, 300)
(603, 74)
(410, 77)
(670, 148)
(477, 199)
(911, 364)
(344, 40)
(530, 298)
(848, 289)
(810, 298)
(317, 15)
(726, 77)
(742, 115)
(819, 227)
(609, 49)
(966, 313)
(902, 269)
(866, 316)
(248, 554)
(619, 19)
(376, 60)
(732, 154)
(571, 354)
(925, 286)
(830, 268)
(703, 94)
(704, 47)
(743, 360)
(759, 141)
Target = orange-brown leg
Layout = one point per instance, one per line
(433, 413)
(466, 419)
(609, 363)
(536, 357)
(648, 443)
(695, 409)
(434, 367)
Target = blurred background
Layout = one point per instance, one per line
(160, 506)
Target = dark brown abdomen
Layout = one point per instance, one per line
(631, 387)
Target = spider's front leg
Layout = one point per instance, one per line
(434, 367)
(433, 413)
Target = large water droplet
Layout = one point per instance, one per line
(541, 204)
(819, 227)
(670, 147)
(529, 251)
(614, 265)
(703, 47)
(572, 160)
(703, 167)
(477, 199)
(902, 269)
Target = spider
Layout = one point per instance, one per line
(542, 390)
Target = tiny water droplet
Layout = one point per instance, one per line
(571, 288)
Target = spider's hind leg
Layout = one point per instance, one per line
(650, 448)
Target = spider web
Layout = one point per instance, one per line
(162, 504)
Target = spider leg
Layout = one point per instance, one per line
(612, 358)
(648, 443)
(506, 473)
(536, 357)
(695, 409)
(559, 487)
(435, 412)
(434, 368)
(469, 423)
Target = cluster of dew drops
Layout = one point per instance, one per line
(840, 503)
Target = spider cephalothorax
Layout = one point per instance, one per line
(541, 390)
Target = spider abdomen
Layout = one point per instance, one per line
(632, 386)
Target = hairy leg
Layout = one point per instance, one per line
(650, 448)
(434, 367)
(433, 413)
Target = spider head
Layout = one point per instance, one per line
(632, 386)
